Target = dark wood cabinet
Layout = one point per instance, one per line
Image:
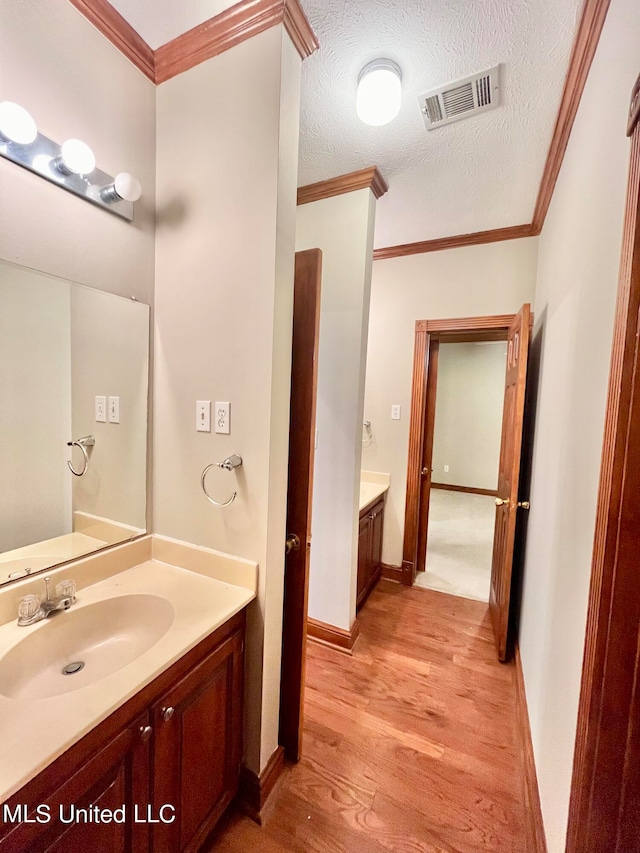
(166, 765)
(369, 549)
(196, 755)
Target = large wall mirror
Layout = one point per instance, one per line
(64, 347)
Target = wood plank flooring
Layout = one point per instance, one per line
(409, 745)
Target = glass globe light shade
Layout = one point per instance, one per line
(379, 92)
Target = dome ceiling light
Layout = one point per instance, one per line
(379, 92)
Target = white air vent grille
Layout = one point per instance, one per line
(475, 94)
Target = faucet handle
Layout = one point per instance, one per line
(66, 589)
(28, 606)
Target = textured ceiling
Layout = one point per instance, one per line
(160, 21)
(477, 174)
(480, 173)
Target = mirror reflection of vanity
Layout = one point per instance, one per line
(62, 345)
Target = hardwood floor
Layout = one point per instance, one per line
(409, 745)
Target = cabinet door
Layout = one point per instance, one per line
(116, 778)
(364, 557)
(198, 748)
(377, 524)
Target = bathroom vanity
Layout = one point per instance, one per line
(150, 744)
(373, 489)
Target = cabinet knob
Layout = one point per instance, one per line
(145, 733)
(167, 713)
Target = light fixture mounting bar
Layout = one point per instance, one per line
(39, 156)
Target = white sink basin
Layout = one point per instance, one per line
(104, 637)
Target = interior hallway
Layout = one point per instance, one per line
(410, 744)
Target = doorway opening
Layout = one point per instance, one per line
(469, 393)
(430, 335)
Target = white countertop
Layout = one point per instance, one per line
(373, 484)
(36, 731)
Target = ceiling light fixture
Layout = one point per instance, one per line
(379, 92)
(71, 165)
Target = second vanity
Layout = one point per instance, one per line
(140, 749)
(373, 488)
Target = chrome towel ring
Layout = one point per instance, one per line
(82, 443)
(231, 462)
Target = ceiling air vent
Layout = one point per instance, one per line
(475, 94)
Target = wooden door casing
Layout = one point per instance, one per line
(304, 382)
(605, 788)
(426, 472)
(509, 477)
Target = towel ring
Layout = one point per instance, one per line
(231, 462)
(82, 443)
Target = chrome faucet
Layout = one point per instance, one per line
(32, 609)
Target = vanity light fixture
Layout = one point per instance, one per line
(71, 165)
(379, 92)
(76, 158)
(125, 187)
(16, 124)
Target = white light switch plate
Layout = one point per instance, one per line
(223, 418)
(203, 415)
(114, 410)
(101, 410)
(395, 412)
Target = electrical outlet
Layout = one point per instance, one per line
(446, 469)
(395, 412)
(223, 418)
(101, 410)
(114, 410)
(203, 415)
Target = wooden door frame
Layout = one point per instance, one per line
(606, 780)
(457, 330)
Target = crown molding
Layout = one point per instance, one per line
(369, 178)
(231, 27)
(585, 44)
(496, 235)
(300, 30)
(120, 33)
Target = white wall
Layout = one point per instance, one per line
(35, 415)
(496, 278)
(469, 403)
(224, 303)
(75, 83)
(574, 306)
(110, 357)
(342, 226)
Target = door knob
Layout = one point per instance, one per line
(167, 713)
(292, 544)
(424, 472)
(501, 502)
(145, 733)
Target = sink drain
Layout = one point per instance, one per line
(72, 668)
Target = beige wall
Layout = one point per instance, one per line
(575, 297)
(476, 280)
(110, 357)
(75, 83)
(227, 164)
(342, 227)
(469, 403)
(35, 415)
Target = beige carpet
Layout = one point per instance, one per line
(459, 544)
